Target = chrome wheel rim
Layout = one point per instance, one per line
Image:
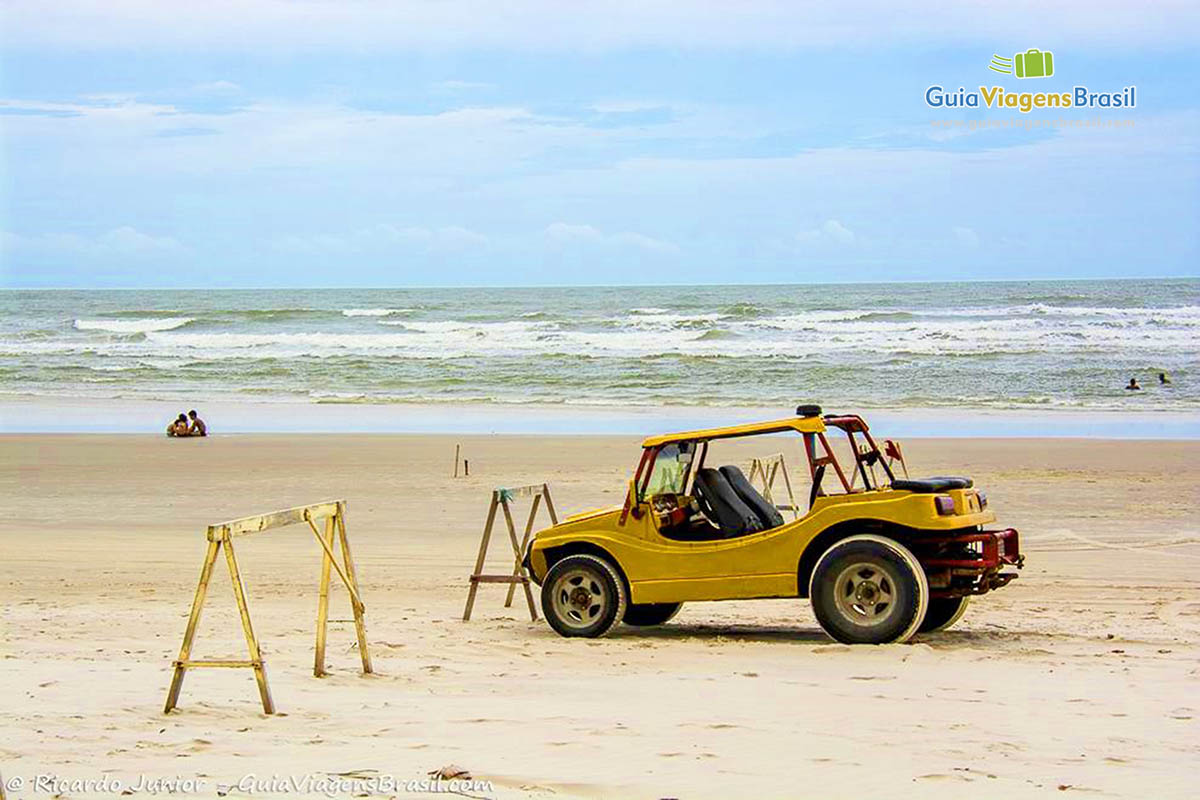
(865, 594)
(580, 598)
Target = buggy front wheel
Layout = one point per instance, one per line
(582, 595)
(869, 590)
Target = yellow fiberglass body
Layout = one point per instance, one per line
(691, 531)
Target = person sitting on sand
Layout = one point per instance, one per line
(179, 427)
(1163, 380)
(1133, 386)
(198, 428)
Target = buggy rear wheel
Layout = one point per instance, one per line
(582, 595)
(869, 590)
(646, 614)
(943, 612)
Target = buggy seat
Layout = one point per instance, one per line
(722, 505)
(766, 513)
(931, 485)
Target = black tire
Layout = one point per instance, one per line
(646, 614)
(583, 595)
(942, 613)
(869, 590)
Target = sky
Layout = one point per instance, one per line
(273, 143)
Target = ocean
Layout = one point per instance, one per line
(1042, 345)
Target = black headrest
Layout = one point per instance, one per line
(766, 513)
(722, 505)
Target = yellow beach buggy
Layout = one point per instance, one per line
(879, 561)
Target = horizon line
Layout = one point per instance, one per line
(280, 287)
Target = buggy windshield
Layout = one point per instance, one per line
(670, 469)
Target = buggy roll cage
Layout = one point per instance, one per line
(866, 456)
(810, 425)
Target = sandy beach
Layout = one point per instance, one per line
(1081, 677)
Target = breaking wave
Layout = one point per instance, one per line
(375, 312)
(1019, 345)
(148, 325)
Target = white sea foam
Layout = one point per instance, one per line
(796, 336)
(798, 339)
(668, 320)
(375, 312)
(132, 325)
(1183, 315)
(337, 397)
(1007, 347)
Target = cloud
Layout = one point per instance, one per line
(625, 106)
(252, 25)
(270, 169)
(125, 241)
(967, 237)
(644, 242)
(128, 135)
(461, 86)
(216, 87)
(830, 231)
(450, 238)
(838, 232)
(631, 118)
(195, 130)
(562, 233)
(128, 240)
(386, 237)
(11, 109)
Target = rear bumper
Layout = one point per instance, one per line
(971, 563)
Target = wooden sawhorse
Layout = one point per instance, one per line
(500, 500)
(221, 536)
